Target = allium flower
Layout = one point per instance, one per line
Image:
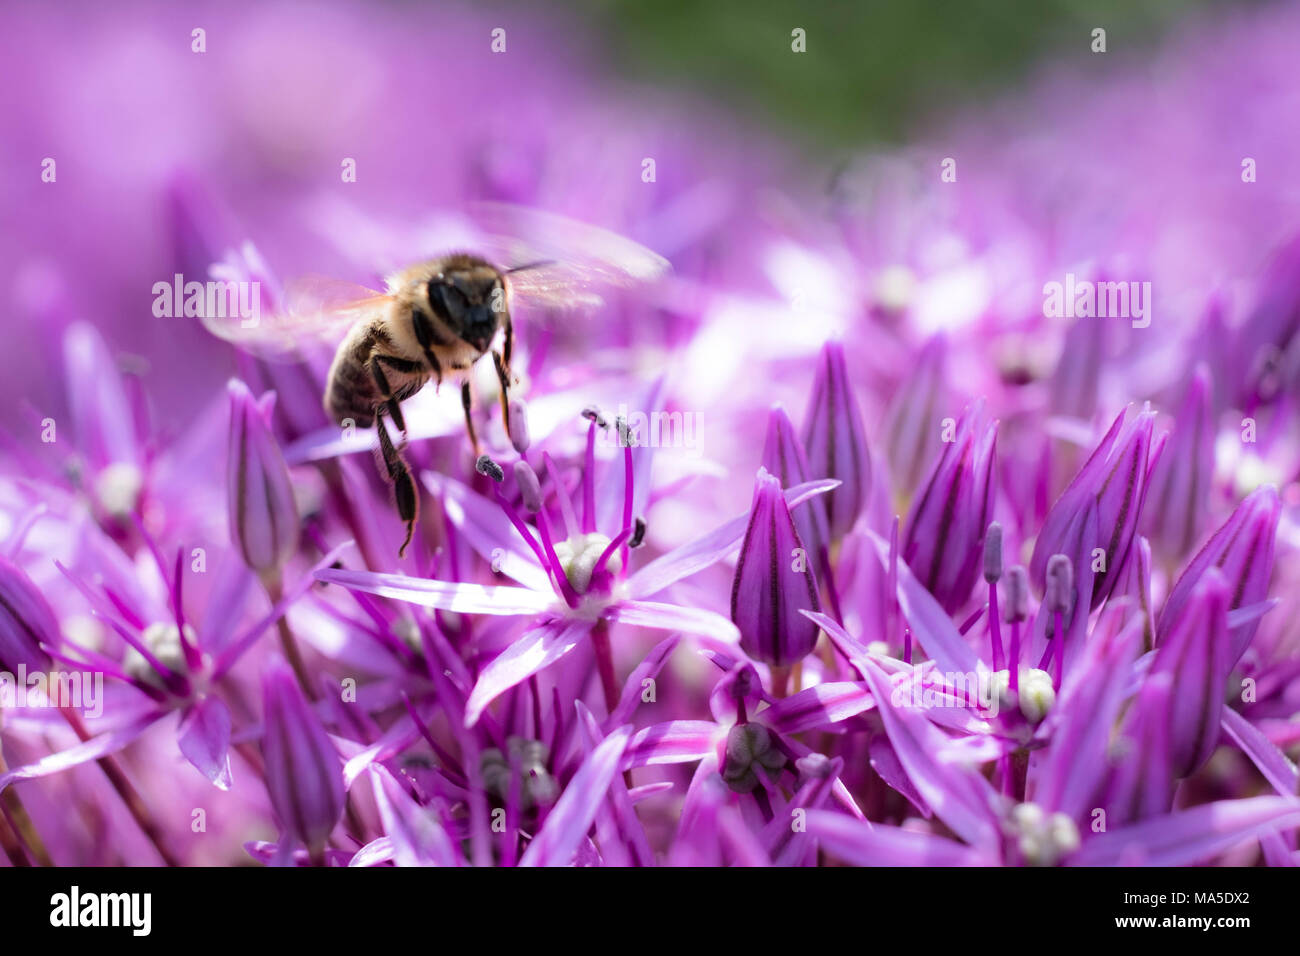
(303, 771)
(774, 581)
(1181, 480)
(945, 531)
(27, 622)
(263, 513)
(783, 456)
(578, 585)
(1114, 481)
(835, 441)
(1242, 550)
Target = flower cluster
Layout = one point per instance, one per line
(934, 576)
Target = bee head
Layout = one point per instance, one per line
(470, 299)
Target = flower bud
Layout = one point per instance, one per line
(783, 456)
(1195, 655)
(262, 511)
(1180, 480)
(1267, 333)
(749, 745)
(774, 581)
(913, 416)
(945, 532)
(1073, 385)
(836, 442)
(1242, 550)
(304, 775)
(1114, 481)
(26, 622)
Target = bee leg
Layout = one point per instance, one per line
(408, 502)
(508, 345)
(466, 401)
(503, 376)
(400, 365)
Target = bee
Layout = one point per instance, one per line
(437, 318)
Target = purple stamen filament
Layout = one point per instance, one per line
(1013, 661)
(995, 626)
(1058, 642)
(589, 482)
(627, 492)
(557, 569)
(521, 526)
(571, 526)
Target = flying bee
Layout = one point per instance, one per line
(437, 318)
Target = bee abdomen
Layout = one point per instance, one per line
(352, 394)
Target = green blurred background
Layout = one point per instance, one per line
(874, 69)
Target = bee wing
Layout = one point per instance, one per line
(560, 262)
(316, 311)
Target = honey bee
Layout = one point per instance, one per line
(437, 318)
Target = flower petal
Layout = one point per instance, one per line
(418, 837)
(444, 595)
(671, 617)
(932, 628)
(818, 707)
(101, 746)
(958, 795)
(537, 649)
(1276, 766)
(674, 741)
(204, 739)
(864, 844)
(1188, 836)
(648, 669)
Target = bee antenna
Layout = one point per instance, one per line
(530, 265)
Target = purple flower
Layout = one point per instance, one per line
(1195, 656)
(774, 581)
(27, 622)
(263, 514)
(783, 456)
(1181, 479)
(945, 531)
(1114, 479)
(1242, 551)
(915, 417)
(571, 669)
(576, 586)
(304, 775)
(835, 441)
